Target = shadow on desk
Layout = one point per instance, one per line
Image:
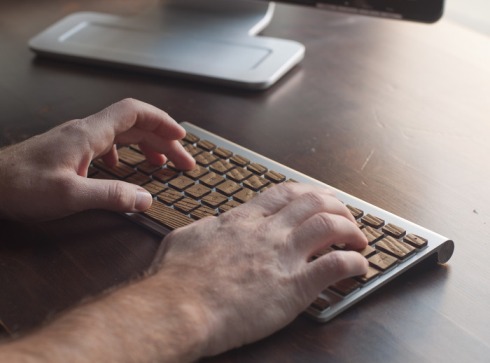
(49, 267)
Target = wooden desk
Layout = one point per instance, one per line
(394, 113)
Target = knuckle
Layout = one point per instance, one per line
(315, 200)
(128, 102)
(324, 223)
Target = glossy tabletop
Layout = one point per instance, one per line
(392, 112)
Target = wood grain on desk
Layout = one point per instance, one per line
(395, 113)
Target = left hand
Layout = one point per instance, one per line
(45, 177)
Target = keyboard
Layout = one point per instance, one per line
(227, 175)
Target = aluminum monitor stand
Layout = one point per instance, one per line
(208, 40)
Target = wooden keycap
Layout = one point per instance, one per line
(256, 168)
(206, 145)
(197, 172)
(202, 212)
(171, 165)
(367, 251)
(120, 170)
(222, 152)
(136, 148)
(102, 175)
(416, 241)
(197, 191)
(155, 187)
(148, 168)
(357, 213)
(275, 177)
(186, 205)
(369, 276)
(320, 304)
(138, 178)
(214, 199)
(228, 188)
(205, 158)
(130, 156)
(181, 182)
(372, 221)
(238, 174)
(228, 205)
(167, 216)
(221, 166)
(165, 175)
(382, 261)
(211, 179)
(345, 287)
(191, 138)
(191, 149)
(372, 234)
(244, 195)
(392, 230)
(239, 160)
(170, 196)
(399, 249)
(256, 182)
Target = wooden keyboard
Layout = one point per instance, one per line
(227, 175)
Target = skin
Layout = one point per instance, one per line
(214, 285)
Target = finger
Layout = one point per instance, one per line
(334, 266)
(109, 194)
(111, 158)
(324, 230)
(276, 198)
(309, 204)
(128, 113)
(172, 150)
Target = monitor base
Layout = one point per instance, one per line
(212, 41)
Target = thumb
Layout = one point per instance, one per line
(335, 266)
(112, 195)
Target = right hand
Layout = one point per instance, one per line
(249, 271)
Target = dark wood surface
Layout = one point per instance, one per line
(395, 113)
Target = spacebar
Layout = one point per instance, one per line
(167, 216)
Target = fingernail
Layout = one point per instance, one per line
(143, 200)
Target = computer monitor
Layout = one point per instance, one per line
(209, 40)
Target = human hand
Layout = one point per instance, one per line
(45, 177)
(248, 272)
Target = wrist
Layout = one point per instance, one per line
(163, 320)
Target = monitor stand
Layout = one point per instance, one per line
(208, 40)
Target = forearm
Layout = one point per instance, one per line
(148, 321)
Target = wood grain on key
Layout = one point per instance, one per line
(372, 234)
(392, 230)
(398, 249)
(197, 191)
(212, 179)
(130, 156)
(372, 221)
(120, 170)
(155, 187)
(416, 241)
(257, 168)
(214, 199)
(228, 188)
(239, 174)
(167, 216)
(221, 166)
(256, 182)
(382, 261)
